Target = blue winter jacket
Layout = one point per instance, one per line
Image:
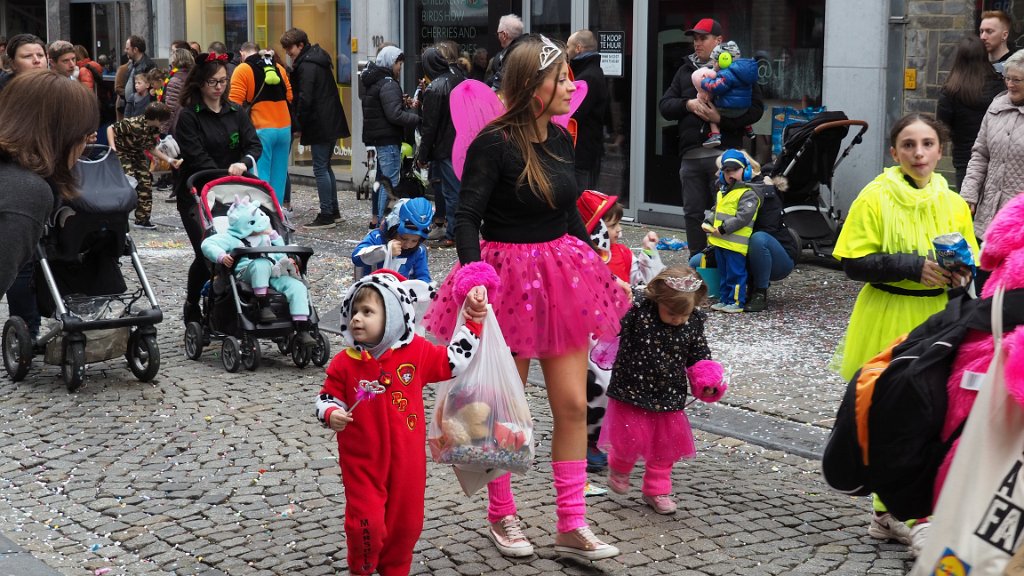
(731, 88)
(369, 255)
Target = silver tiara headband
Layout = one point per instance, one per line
(548, 53)
(687, 284)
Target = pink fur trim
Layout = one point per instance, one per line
(1005, 234)
(707, 380)
(1014, 366)
(472, 275)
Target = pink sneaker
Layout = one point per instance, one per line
(662, 503)
(618, 482)
(507, 535)
(583, 545)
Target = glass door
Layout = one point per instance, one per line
(611, 21)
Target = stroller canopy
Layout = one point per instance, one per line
(812, 156)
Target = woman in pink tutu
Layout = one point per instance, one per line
(661, 348)
(517, 211)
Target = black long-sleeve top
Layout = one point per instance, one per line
(210, 140)
(492, 205)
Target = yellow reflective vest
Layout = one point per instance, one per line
(726, 206)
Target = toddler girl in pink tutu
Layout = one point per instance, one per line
(661, 348)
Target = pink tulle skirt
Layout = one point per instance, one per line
(553, 295)
(630, 433)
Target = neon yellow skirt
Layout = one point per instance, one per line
(878, 318)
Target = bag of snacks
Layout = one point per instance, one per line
(481, 422)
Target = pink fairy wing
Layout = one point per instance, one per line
(574, 103)
(473, 105)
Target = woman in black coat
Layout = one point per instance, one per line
(212, 133)
(969, 89)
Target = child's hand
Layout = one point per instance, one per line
(625, 286)
(176, 163)
(651, 240)
(710, 229)
(395, 247)
(475, 309)
(227, 260)
(339, 420)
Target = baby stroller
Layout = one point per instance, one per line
(79, 283)
(229, 307)
(808, 162)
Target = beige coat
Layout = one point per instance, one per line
(995, 173)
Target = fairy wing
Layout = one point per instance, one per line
(473, 105)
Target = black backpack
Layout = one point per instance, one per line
(887, 434)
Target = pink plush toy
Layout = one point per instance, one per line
(1003, 255)
(707, 380)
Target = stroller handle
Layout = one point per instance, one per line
(211, 174)
(840, 124)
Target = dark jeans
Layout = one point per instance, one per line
(767, 260)
(450, 188)
(326, 186)
(21, 297)
(438, 190)
(697, 178)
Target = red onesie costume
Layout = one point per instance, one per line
(382, 451)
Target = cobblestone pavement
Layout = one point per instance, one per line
(205, 472)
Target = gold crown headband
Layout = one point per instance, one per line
(687, 284)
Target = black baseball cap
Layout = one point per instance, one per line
(705, 26)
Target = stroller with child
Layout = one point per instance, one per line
(810, 156)
(230, 311)
(79, 283)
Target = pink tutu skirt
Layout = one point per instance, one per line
(630, 434)
(553, 295)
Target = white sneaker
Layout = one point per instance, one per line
(507, 535)
(918, 537)
(887, 527)
(583, 545)
(717, 306)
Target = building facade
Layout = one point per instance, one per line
(874, 60)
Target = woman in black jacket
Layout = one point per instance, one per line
(971, 86)
(212, 133)
(386, 115)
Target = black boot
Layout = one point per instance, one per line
(191, 313)
(303, 335)
(266, 315)
(757, 300)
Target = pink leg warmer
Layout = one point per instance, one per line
(500, 502)
(657, 479)
(619, 465)
(570, 478)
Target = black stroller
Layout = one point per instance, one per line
(229, 307)
(79, 283)
(810, 156)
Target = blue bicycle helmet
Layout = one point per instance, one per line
(414, 217)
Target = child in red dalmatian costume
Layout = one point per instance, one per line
(1003, 254)
(381, 441)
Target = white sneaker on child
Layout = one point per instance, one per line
(887, 527)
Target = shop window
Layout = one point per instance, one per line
(786, 37)
(472, 24)
(217, 20)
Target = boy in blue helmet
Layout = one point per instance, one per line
(730, 224)
(398, 243)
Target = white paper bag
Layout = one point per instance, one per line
(979, 516)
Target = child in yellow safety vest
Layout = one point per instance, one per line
(730, 224)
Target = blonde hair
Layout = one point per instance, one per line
(521, 77)
(677, 301)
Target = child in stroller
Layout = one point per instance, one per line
(247, 241)
(249, 226)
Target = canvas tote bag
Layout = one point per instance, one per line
(979, 516)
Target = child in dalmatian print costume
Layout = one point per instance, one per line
(602, 216)
(381, 440)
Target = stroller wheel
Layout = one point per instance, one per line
(194, 340)
(300, 354)
(322, 351)
(143, 356)
(250, 352)
(230, 354)
(73, 367)
(17, 344)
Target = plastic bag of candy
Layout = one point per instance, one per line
(952, 252)
(481, 422)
